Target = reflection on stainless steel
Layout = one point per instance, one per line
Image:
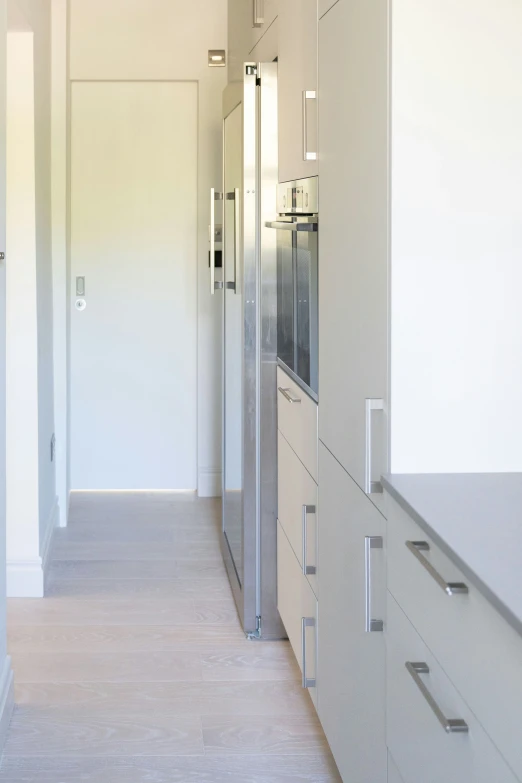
(249, 351)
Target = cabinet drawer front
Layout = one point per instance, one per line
(297, 508)
(298, 420)
(295, 601)
(477, 648)
(421, 747)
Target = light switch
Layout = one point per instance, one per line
(80, 286)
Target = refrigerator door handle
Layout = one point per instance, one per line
(213, 198)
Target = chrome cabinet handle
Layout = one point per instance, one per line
(306, 622)
(370, 542)
(450, 588)
(450, 725)
(371, 487)
(213, 198)
(308, 95)
(259, 14)
(237, 239)
(307, 569)
(287, 395)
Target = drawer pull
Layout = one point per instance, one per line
(308, 570)
(370, 542)
(288, 396)
(371, 487)
(450, 588)
(450, 725)
(306, 622)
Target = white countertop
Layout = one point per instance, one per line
(476, 519)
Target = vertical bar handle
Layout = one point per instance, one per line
(308, 95)
(237, 238)
(212, 240)
(371, 487)
(259, 15)
(307, 569)
(306, 622)
(370, 542)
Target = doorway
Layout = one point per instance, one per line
(133, 341)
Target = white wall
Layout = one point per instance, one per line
(169, 40)
(457, 236)
(34, 16)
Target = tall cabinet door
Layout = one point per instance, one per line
(351, 666)
(353, 278)
(297, 60)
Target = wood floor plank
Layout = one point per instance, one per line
(134, 550)
(67, 734)
(120, 611)
(216, 769)
(107, 667)
(166, 698)
(264, 735)
(123, 638)
(252, 663)
(100, 589)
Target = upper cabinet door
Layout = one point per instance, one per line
(297, 87)
(263, 14)
(353, 237)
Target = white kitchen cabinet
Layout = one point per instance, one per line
(297, 508)
(420, 698)
(297, 89)
(297, 420)
(297, 606)
(353, 283)
(412, 278)
(351, 669)
(265, 11)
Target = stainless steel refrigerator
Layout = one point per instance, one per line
(248, 287)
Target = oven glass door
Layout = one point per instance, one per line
(297, 301)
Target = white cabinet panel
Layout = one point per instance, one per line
(353, 294)
(297, 73)
(325, 5)
(351, 672)
(295, 601)
(267, 9)
(297, 491)
(464, 632)
(297, 420)
(423, 750)
(393, 773)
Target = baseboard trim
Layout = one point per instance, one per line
(209, 483)
(6, 701)
(26, 578)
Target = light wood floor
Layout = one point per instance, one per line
(134, 669)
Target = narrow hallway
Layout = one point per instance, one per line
(135, 667)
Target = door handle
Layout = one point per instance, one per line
(237, 238)
(450, 725)
(308, 95)
(370, 542)
(371, 487)
(306, 622)
(213, 198)
(450, 588)
(286, 394)
(307, 570)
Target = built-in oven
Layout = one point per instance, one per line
(297, 281)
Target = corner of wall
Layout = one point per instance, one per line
(26, 578)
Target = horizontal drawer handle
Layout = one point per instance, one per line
(288, 396)
(450, 588)
(450, 725)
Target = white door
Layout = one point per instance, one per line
(351, 670)
(353, 293)
(134, 241)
